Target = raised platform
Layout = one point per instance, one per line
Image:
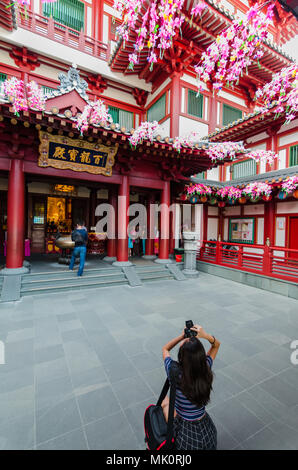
(47, 276)
(278, 286)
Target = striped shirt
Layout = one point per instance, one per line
(183, 406)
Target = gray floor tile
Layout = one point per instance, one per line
(237, 419)
(74, 440)
(17, 433)
(130, 391)
(57, 420)
(111, 433)
(97, 404)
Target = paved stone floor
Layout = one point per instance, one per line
(82, 367)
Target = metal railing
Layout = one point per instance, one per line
(273, 261)
(58, 32)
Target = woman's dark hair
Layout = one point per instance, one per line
(196, 375)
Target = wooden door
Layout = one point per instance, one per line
(38, 224)
(293, 236)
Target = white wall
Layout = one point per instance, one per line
(253, 209)
(280, 231)
(282, 160)
(212, 228)
(213, 174)
(119, 95)
(260, 231)
(289, 207)
(187, 125)
(232, 98)
(165, 128)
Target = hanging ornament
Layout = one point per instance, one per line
(193, 199)
(282, 195)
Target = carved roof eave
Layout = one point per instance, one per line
(249, 125)
(161, 148)
(274, 177)
(226, 17)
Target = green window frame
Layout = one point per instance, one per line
(245, 168)
(195, 104)
(230, 114)
(47, 90)
(293, 155)
(3, 77)
(121, 117)
(70, 13)
(158, 110)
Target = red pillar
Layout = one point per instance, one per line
(212, 114)
(149, 247)
(15, 216)
(164, 224)
(123, 219)
(112, 244)
(205, 222)
(175, 107)
(269, 219)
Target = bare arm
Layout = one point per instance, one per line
(215, 344)
(170, 345)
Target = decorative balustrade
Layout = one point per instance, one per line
(273, 261)
(58, 32)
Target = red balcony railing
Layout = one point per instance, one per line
(273, 261)
(55, 31)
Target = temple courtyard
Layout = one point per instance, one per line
(82, 366)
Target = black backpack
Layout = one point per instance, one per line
(159, 433)
(78, 238)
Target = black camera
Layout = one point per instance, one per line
(187, 331)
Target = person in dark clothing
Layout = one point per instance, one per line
(80, 237)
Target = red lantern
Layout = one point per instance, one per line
(183, 197)
(242, 200)
(221, 204)
(203, 199)
(295, 194)
(267, 198)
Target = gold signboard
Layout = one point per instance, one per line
(74, 154)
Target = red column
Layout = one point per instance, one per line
(112, 245)
(15, 216)
(164, 224)
(123, 219)
(212, 114)
(149, 248)
(175, 106)
(269, 221)
(205, 222)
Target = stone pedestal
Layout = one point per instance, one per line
(190, 254)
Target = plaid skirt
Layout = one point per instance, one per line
(195, 435)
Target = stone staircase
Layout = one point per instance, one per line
(59, 281)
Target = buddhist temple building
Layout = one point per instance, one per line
(52, 174)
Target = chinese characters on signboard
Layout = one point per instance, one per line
(77, 155)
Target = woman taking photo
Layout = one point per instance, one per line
(193, 427)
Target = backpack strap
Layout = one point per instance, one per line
(163, 393)
(174, 374)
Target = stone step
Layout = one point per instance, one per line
(68, 278)
(67, 273)
(54, 288)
